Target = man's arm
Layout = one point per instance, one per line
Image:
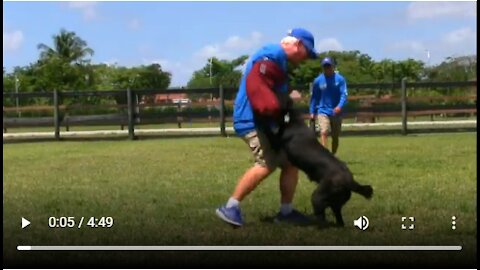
(262, 79)
(343, 96)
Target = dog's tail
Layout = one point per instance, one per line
(364, 190)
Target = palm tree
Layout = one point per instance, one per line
(411, 69)
(66, 46)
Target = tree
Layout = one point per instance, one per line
(411, 69)
(454, 69)
(8, 87)
(223, 72)
(353, 65)
(304, 74)
(66, 46)
(64, 66)
(152, 77)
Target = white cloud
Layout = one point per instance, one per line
(213, 50)
(164, 63)
(328, 44)
(87, 8)
(111, 62)
(134, 24)
(238, 43)
(458, 42)
(429, 10)
(460, 36)
(408, 46)
(12, 40)
(231, 47)
(408, 49)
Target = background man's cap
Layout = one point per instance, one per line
(307, 40)
(328, 61)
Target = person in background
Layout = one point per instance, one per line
(329, 96)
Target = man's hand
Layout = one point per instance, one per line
(285, 101)
(312, 116)
(337, 110)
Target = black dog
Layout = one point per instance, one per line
(335, 181)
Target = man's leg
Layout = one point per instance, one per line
(288, 183)
(336, 126)
(248, 182)
(324, 123)
(324, 139)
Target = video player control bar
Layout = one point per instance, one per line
(233, 248)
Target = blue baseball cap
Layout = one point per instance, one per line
(307, 40)
(328, 61)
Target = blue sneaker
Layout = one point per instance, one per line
(295, 217)
(230, 215)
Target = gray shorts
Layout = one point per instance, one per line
(330, 124)
(264, 155)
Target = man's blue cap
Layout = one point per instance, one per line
(307, 40)
(328, 61)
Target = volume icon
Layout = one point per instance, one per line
(362, 223)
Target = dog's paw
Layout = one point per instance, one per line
(340, 225)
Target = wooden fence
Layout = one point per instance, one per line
(130, 112)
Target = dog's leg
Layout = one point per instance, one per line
(319, 204)
(337, 200)
(337, 210)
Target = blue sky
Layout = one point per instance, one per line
(181, 36)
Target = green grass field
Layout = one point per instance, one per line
(165, 191)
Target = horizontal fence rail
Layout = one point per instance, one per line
(130, 108)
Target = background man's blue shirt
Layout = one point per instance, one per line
(328, 93)
(243, 119)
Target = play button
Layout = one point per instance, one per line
(25, 223)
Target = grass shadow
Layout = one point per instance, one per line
(312, 222)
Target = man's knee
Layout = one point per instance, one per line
(324, 123)
(324, 136)
(289, 174)
(262, 170)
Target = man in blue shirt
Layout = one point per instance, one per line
(328, 98)
(264, 76)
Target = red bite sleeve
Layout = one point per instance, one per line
(261, 82)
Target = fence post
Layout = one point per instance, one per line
(179, 112)
(222, 111)
(56, 114)
(431, 115)
(404, 106)
(137, 109)
(130, 110)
